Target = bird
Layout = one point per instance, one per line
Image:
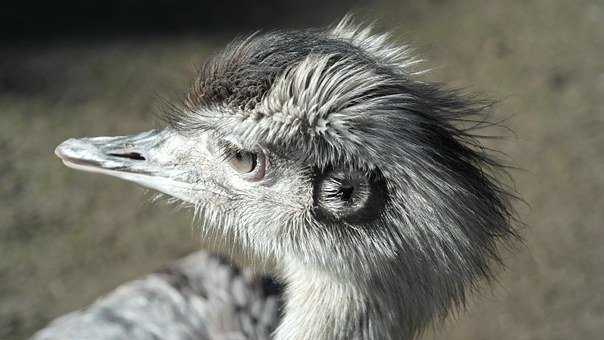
(360, 196)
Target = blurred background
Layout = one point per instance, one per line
(102, 68)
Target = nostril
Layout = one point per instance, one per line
(130, 155)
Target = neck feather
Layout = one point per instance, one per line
(321, 306)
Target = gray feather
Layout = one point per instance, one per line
(365, 193)
(201, 297)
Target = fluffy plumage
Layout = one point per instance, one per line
(380, 210)
(200, 297)
(345, 98)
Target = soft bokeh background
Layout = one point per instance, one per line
(100, 68)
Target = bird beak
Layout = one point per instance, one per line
(149, 159)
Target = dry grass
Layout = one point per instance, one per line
(67, 237)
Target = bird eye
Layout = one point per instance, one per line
(250, 165)
(243, 161)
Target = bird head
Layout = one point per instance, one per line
(322, 149)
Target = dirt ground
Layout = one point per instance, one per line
(68, 237)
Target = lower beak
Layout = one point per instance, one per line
(147, 158)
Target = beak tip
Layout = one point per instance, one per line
(58, 151)
(72, 149)
(61, 149)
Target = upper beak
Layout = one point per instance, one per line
(148, 158)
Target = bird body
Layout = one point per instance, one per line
(200, 297)
(317, 155)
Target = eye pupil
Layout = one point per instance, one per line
(345, 192)
(243, 161)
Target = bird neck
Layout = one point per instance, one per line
(320, 306)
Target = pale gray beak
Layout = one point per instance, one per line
(150, 159)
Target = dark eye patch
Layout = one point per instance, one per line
(353, 196)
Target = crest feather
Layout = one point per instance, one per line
(378, 45)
